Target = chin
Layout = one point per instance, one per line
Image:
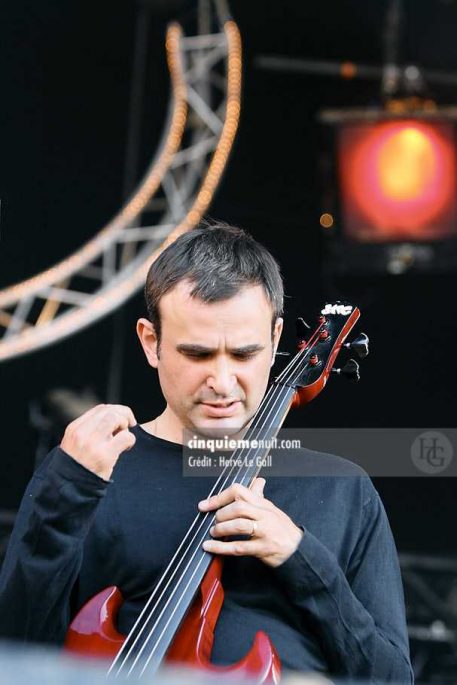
(219, 428)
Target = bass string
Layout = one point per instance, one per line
(290, 369)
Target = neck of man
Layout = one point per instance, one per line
(165, 426)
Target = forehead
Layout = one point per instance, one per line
(245, 316)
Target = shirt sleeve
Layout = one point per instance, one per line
(358, 616)
(45, 551)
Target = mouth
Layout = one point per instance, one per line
(221, 409)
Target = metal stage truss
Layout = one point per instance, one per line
(175, 192)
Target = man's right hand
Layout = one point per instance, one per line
(99, 436)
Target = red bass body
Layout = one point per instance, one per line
(93, 633)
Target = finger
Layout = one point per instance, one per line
(101, 426)
(106, 423)
(257, 486)
(233, 527)
(95, 420)
(236, 510)
(125, 411)
(234, 492)
(236, 548)
(111, 422)
(89, 413)
(101, 410)
(122, 441)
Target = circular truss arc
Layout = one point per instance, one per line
(176, 189)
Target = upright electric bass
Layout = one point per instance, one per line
(178, 621)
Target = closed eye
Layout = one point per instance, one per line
(197, 355)
(244, 356)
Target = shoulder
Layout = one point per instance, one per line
(321, 474)
(306, 462)
(331, 464)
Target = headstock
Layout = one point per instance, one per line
(310, 369)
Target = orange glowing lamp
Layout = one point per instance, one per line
(398, 180)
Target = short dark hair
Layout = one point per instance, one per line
(219, 260)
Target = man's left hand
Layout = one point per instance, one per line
(274, 537)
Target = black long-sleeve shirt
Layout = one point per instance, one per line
(336, 605)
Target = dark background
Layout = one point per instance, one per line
(65, 73)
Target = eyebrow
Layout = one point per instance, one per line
(201, 349)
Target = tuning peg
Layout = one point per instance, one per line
(359, 345)
(302, 328)
(350, 370)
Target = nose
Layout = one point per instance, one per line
(222, 380)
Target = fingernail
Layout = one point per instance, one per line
(211, 530)
(207, 545)
(203, 504)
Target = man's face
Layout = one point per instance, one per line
(214, 359)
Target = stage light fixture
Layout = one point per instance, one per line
(397, 180)
(392, 191)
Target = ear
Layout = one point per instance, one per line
(277, 331)
(148, 339)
